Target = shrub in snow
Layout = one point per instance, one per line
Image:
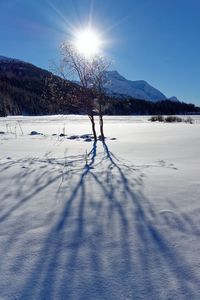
(157, 118)
(172, 119)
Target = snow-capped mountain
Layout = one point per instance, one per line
(115, 85)
(24, 89)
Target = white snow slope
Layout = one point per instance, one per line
(116, 84)
(119, 221)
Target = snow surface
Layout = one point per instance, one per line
(114, 221)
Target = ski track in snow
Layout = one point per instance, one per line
(119, 220)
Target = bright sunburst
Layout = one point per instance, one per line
(88, 42)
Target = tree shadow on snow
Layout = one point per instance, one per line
(106, 241)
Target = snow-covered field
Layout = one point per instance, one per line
(90, 222)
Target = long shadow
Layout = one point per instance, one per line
(48, 264)
(38, 187)
(106, 242)
(151, 236)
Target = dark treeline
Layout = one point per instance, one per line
(28, 90)
(142, 107)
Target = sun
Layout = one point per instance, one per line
(88, 42)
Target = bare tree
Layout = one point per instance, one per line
(90, 72)
(75, 64)
(98, 67)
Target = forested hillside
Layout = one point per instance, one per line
(28, 90)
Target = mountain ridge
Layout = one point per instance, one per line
(115, 84)
(26, 89)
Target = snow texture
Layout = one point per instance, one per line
(113, 221)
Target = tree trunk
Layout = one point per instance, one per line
(101, 123)
(91, 117)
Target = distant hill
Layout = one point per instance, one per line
(118, 86)
(25, 90)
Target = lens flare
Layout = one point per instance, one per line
(88, 42)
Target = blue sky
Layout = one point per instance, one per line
(154, 40)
